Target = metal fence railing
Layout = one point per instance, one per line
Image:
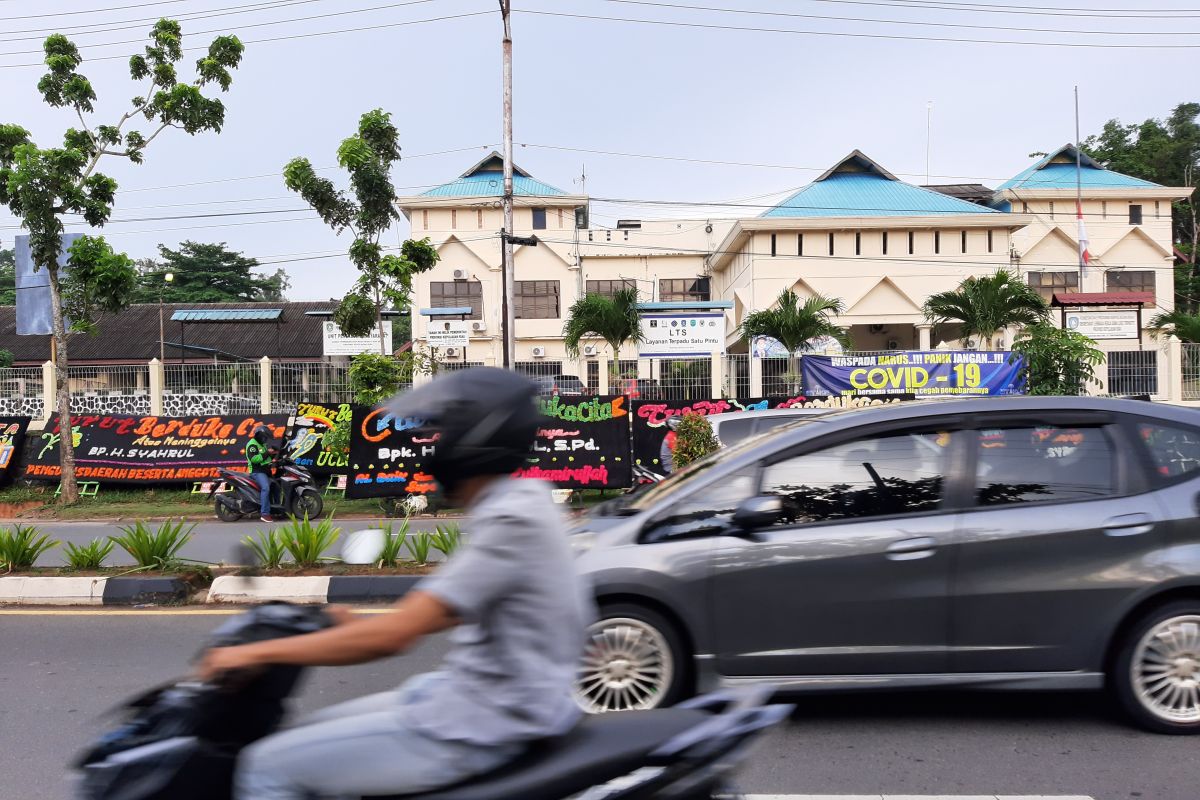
(21, 382)
(736, 375)
(241, 379)
(109, 381)
(541, 368)
(1132, 372)
(1190, 370)
(677, 379)
(296, 382)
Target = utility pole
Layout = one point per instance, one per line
(507, 273)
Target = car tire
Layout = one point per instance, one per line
(635, 659)
(1156, 673)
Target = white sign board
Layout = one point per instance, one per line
(447, 333)
(335, 343)
(682, 334)
(1104, 324)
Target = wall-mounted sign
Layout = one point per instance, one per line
(1104, 324)
(335, 343)
(684, 334)
(447, 333)
(920, 372)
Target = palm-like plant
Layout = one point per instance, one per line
(614, 319)
(1185, 326)
(793, 322)
(986, 305)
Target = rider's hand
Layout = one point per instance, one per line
(340, 614)
(221, 660)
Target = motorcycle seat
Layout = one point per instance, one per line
(596, 751)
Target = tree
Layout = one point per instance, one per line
(611, 318)
(207, 273)
(1166, 152)
(794, 323)
(694, 439)
(368, 157)
(1184, 326)
(986, 305)
(1057, 361)
(42, 185)
(8, 278)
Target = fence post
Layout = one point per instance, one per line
(157, 384)
(602, 384)
(264, 385)
(49, 395)
(1174, 369)
(756, 376)
(718, 375)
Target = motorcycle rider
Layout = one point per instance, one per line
(258, 464)
(512, 590)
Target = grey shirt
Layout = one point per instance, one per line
(510, 674)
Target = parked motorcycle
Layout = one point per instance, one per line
(293, 492)
(181, 742)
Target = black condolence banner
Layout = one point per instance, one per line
(386, 455)
(583, 444)
(12, 439)
(307, 437)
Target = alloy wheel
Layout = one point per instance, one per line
(1166, 669)
(627, 665)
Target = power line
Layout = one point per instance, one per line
(853, 35)
(94, 10)
(1048, 11)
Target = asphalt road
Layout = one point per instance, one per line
(212, 542)
(60, 671)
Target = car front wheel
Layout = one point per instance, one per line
(1156, 675)
(634, 660)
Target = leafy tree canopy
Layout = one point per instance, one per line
(206, 273)
(985, 305)
(611, 318)
(1058, 362)
(8, 278)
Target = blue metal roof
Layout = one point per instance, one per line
(869, 194)
(227, 315)
(491, 184)
(1057, 171)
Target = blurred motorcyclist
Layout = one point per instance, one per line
(513, 589)
(258, 464)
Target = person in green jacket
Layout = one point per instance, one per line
(258, 464)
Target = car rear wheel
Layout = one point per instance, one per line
(634, 660)
(1156, 675)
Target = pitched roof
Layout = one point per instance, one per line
(859, 187)
(486, 179)
(971, 192)
(1103, 299)
(1057, 171)
(132, 335)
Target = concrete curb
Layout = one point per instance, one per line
(311, 589)
(90, 591)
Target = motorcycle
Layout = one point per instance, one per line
(181, 741)
(294, 493)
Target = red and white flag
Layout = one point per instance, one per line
(1085, 257)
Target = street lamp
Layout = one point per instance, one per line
(162, 336)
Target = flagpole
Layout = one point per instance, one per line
(1079, 191)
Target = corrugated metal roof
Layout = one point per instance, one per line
(227, 315)
(1057, 171)
(869, 194)
(491, 184)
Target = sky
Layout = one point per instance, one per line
(602, 87)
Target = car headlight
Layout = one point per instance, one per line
(582, 542)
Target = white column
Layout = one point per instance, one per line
(157, 382)
(49, 395)
(718, 377)
(602, 385)
(264, 385)
(756, 376)
(923, 337)
(1173, 369)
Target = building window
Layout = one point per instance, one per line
(535, 299)
(1103, 209)
(883, 243)
(1130, 280)
(1047, 284)
(1135, 214)
(539, 219)
(772, 244)
(964, 241)
(608, 288)
(1157, 210)
(560, 218)
(937, 242)
(858, 243)
(831, 243)
(912, 243)
(989, 241)
(479, 217)
(453, 219)
(1052, 209)
(451, 294)
(1024, 207)
(799, 244)
(425, 219)
(683, 290)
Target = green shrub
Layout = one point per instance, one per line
(269, 548)
(90, 555)
(21, 547)
(694, 439)
(307, 542)
(393, 544)
(419, 545)
(446, 538)
(157, 549)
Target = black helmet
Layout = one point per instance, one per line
(486, 420)
(261, 434)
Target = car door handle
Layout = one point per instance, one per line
(911, 549)
(1129, 524)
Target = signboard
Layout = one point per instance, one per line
(33, 286)
(770, 347)
(307, 437)
(447, 333)
(1103, 324)
(12, 439)
(583, 444)
(385, 456)
(919, 372)
(654, 436)
(682, 334)
(113, 448)
(335, 343)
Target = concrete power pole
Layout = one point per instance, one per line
(507, 273)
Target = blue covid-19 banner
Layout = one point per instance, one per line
(919, 372)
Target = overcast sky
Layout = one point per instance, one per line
(704, 91)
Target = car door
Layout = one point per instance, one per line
(853, 580)
(1047, 553)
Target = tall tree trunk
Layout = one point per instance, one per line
(616, 369)
(379, 322)
(66, 450)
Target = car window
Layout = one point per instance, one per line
(1174, 451)
(894, 474)
(708, 510)
(734, 430)
(769, 422)
(1037, 464)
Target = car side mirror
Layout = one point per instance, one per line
(758, 512)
